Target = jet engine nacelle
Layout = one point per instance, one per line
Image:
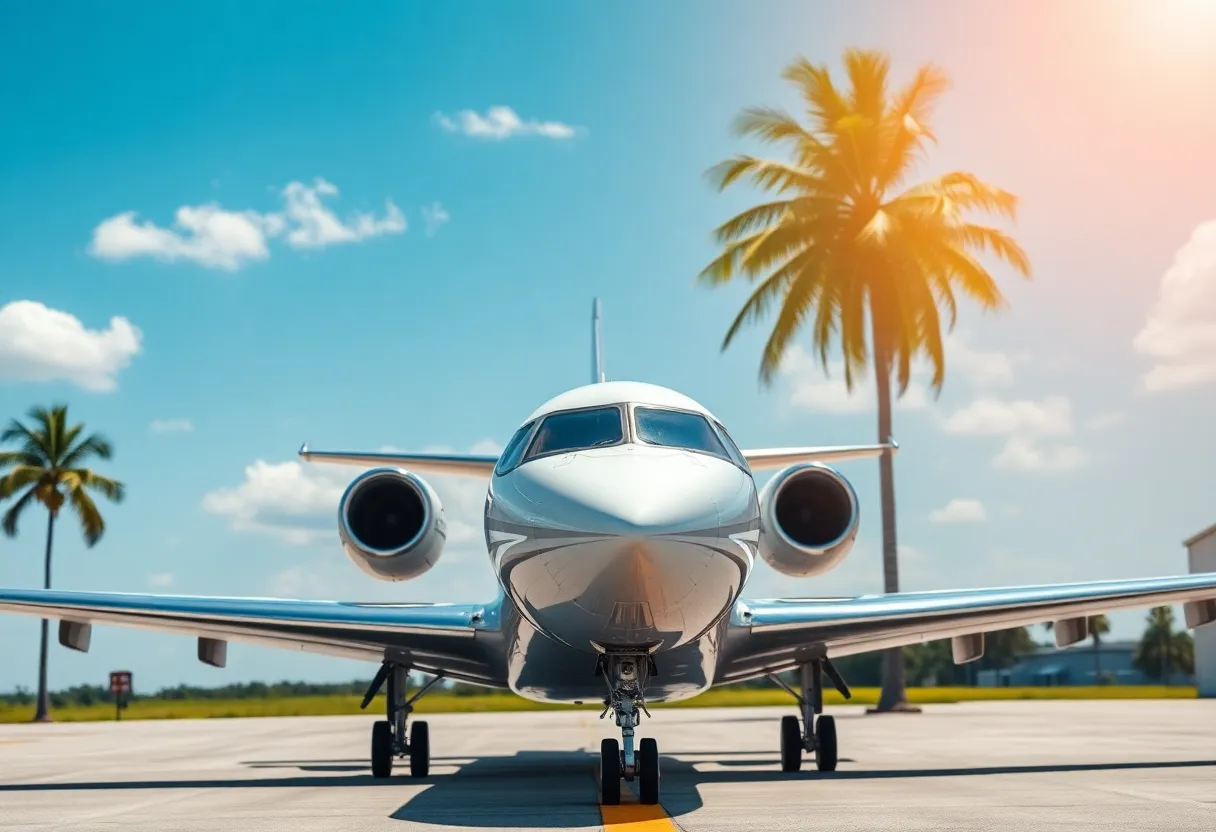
(391, 524)
(808, 520)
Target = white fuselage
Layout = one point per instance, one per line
(622, 515)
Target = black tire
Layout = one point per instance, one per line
(791, 743)
(610, 772)
(648, 770)
(382, 749)
(420, 749)
(825, 743)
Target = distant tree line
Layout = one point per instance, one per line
(1161, 650)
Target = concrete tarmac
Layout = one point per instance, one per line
(998, 765)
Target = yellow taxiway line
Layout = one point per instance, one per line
(629, 815)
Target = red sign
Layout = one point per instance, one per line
(120, 682)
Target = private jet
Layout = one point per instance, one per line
(622, 523)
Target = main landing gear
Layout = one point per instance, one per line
(816, 732)
(626, 674)
(389, 735)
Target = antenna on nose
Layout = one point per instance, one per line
(597, 349)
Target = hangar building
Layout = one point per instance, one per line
(1201, 557)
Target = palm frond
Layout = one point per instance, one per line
(32, 442)
(13, 515)
(753, 219)
(112, 489)
(19, 478)
(824, 103)
(953, 193)
(93, 445)
(906, 124)
(8, 458)
(797, 303)
(987, 239)
(91, 523)
(768, 174)
(758, 303)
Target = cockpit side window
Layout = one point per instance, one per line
(576, 430)
(731, 447)
(514, 450)
(677, 429)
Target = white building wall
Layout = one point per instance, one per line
(1201, 557)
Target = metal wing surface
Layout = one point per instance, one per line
(458, 640)
(778, 634)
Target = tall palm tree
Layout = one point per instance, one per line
(1162, 649)
(1099, 625)
(49, 466)
(841, 241)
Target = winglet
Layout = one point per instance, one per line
(303, 452)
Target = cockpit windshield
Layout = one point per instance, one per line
(677, 429)
(576, 430)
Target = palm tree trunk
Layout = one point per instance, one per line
(894, 697)
(43, 714)
(1097, 659)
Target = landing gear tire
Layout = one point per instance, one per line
(648, 770)
(420, 749)
(610, 772)
(382, 749)
(825, 743)
(791, 743)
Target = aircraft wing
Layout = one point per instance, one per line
(457, 465)
(454, 639)
(779, 634)
(762, 458)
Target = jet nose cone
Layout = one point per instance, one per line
(629, 490)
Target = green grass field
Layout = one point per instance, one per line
(446, 703)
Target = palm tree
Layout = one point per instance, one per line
(1099, 625)
(842, 240)
(1162, 649)
(49, 466)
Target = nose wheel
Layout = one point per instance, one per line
(814, 732)
(626, 675)
(390, 739)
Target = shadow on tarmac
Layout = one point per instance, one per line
(547, 789)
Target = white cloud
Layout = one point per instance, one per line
(434, 215)
(502, 122)
(297, 502)
(990, 416)
(212, 236)
(160, 579)
(1021, 453)
(40, 344)
(205, 234)
(811, 390)
(1105, 420)
(171, 426)
(959, 510)
(1180, 333)
(314, 226)
(1025, 423)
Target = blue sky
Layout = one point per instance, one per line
(420, 286)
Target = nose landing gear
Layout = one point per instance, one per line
(817, 732)
(389, 737)
(626, 674)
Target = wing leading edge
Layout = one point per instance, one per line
(778, 634)
(764, 458)
(453, 639)
(456, 465)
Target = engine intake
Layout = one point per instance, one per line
(808, 520)
(391, 524)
